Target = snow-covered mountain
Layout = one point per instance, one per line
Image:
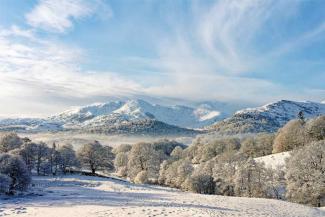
(129, 114)
(139, 116)
(267, 118)
(119, 111)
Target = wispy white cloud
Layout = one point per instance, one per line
(226, 31)
(59, 15)
(41, 72)
(210, 57)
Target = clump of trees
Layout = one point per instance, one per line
(226, 166)
(174, 172)
(257, 146)
(144, 158)
(141, 162)
(298, 133)
(20, 157)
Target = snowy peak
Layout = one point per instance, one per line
(81, 114)
(268, 118)
(134, 108)
(285, 110)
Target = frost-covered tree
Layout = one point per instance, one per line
(201, 183)
(9, 141)
(249, 179)
(123, 148)
(5, 182)
(291, 136)
(257, 146)
(184, 170)
(94, 156)
(66, 158)
(275, 183)
(206, 149)
(305, 176)
(224, 172)
(174, 172)
(315, 129)
(16, 170)
(120, 163)
(144, 157)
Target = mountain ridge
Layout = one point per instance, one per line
(105, 117)
(120, 116)
(267, 118)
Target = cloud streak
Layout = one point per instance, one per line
(59, 15)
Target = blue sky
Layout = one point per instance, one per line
(59, 53)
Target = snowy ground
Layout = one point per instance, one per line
(274, 160)
(83, 196)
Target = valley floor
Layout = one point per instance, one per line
(83, 196)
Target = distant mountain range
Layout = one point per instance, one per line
(117, 111)
(267, 118)
(142, 117)
(127, 117)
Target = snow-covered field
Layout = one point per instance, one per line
(83, 196)
(274, 160)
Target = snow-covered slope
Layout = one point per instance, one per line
(81, 196)
(81, 114)
(274, 160)
(267, 118)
